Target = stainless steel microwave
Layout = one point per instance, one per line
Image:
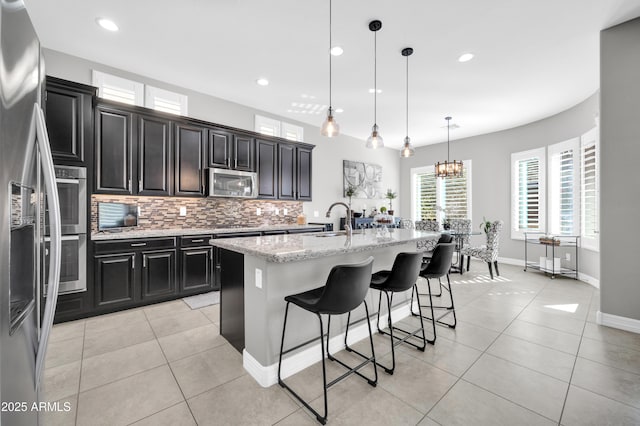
(232, 183)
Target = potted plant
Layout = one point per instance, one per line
(350, 192)
(390, 196)
(383, 210)
(485, 225)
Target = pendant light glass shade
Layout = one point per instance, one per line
(407, 149)
(448, 168)
(375, 140)
(330, 128)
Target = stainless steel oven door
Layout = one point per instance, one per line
(72, 192)
(73, 267)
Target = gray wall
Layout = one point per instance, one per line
(620, 181)
(327, 156)
(491, 170)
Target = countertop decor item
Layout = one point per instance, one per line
(375, 139)
(448, 168)
(390, 195)
(407, 149)
(330, 128)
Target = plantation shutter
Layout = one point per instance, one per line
(426, 190)
(590, 190)
(528, 202)
(454, 196)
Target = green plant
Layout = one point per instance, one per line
(391, 196)
(383, 209)
(350, 192)
(485, 225)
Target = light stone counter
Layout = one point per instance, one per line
(258, 272)
(296, 247)
(152, 233)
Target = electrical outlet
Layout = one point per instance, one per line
(258, 211)
(316, 213)
(258, 278)
(284, 211)
(183, 211)
(567, 257)
(276, 211)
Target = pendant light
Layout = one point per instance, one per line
(330, 128)
(449, 168)
(407, 149)
(375, 140)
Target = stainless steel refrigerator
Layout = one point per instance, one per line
(26, 175)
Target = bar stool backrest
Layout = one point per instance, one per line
(440, 261)
(346, 288)
(404, 272)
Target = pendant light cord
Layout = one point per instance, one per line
(375, 78)
(448, 122)
(407, 96)
(330, 55)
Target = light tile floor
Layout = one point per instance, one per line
(526, 351)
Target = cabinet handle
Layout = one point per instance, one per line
(144, 261)
(133, 263)
(138, 244)
(235, 163)
(140, 185)
(129, 185)
(197, 241)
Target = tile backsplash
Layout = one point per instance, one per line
(164, 212)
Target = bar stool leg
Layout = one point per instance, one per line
(368, 359)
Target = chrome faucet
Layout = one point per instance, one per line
(347, 223)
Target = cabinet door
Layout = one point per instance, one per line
(190, 145)
(66, 114)
(243, 149)
(114, 279)
(114, 143)
(154, 156)
(196, 272)
(286, 172)
(158, 274)
(267, 169)
(219, 149)
(304, 156)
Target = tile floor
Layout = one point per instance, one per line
(526, 351)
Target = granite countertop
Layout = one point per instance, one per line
(151, 233)
(297, 247)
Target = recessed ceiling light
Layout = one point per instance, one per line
(465, 57)
(107, 24)
(336, 51)
(262, 82)
(339, 110)
(373, 90)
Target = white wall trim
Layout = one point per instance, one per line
(511, 261)
(615, 321)
(581, 276)
(268, 376)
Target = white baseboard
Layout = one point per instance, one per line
(268, 376)
(615, 321)
(581, 276)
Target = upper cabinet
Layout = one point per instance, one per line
(231, 151)
(267, 158)
(303, 173)
(114, 143)
(189, 163)
(284, 170)
(68, 111)
(155, 155)
(287, 182)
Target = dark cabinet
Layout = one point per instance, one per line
(229, 151)
(189, 159)
(196, 264)
(266, 160)
(114, 279)
(158, 274)
(303, 173)
(133, 272)
(154, 156)
(68, 111)
(286, 172)
(114, 140)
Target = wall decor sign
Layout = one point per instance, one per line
(364, 177)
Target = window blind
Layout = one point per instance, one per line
(427, 197)
(454, 196)
(589, 201)
(528, 202)
(450, 193)
(565, 192)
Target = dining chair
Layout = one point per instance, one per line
(487, 252)
(427, 225)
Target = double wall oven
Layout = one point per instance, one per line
(72, 191)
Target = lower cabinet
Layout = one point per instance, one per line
(158, 274)
(196, 264)
(115, 279)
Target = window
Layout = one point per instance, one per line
(118, 89)
(451, 194)
(272, 127)
(131, 92)
(527, 192)
(564, 175)
(590, 190)
(165, 101)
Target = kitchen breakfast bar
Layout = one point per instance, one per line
(258, 272)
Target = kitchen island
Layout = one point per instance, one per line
(258, 272)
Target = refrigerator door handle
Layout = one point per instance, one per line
(55, 245)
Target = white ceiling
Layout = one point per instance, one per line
(534, 58)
